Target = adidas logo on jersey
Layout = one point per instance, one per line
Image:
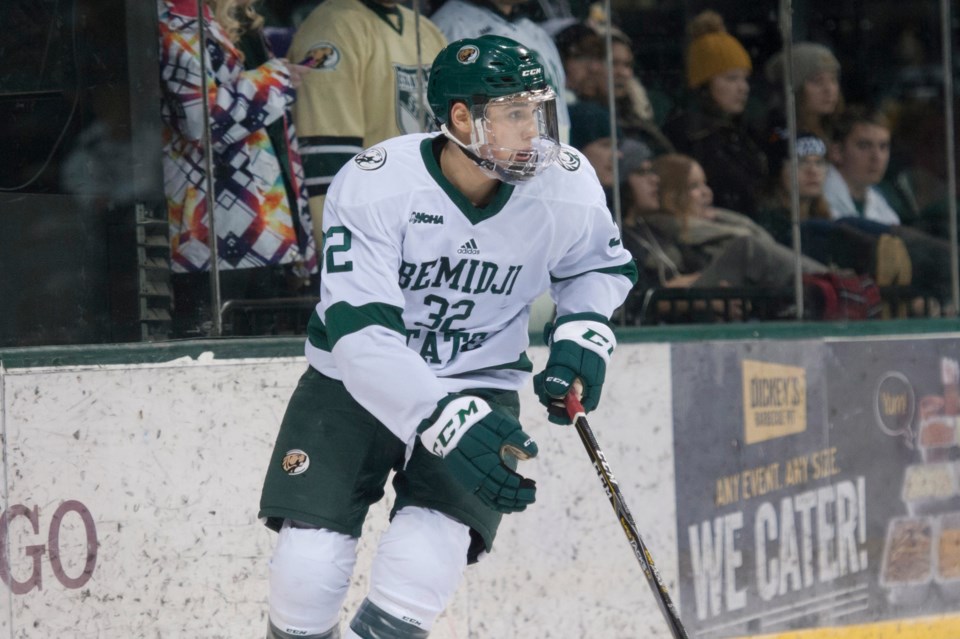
(425, 218)
(469, 248)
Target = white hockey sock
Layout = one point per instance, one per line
(418, 566)
(309, 575)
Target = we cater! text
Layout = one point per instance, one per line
(802, 540)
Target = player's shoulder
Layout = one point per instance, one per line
(569, 184)
(403, 147)
(570, 176)
(385, 169)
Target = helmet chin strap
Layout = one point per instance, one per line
(487, 165)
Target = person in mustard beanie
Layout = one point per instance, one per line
(712, 51)
(712, 129)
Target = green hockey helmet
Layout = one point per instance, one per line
(493, 76)
(474, 70)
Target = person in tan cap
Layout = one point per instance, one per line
(712, 130)
(815, 84)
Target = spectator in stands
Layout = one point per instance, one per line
(881, 256)
(816, 87)
(262, 221)
(811, 173)
(581, 50)
(679, 240)
(819, 102)
(859, 155)
(474, 18)
(590, 134)
(634, 110)
(916, 180)
(658, 254)
(706, 231)
(368, 83)
(712, 130)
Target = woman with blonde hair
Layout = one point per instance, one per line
(686, 194)
(680, 240)
(706, 234)
(236, 17)
(265, 247)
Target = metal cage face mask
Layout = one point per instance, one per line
(516, 136)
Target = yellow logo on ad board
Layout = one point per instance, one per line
(774, 400)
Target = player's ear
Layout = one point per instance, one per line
(460, 118)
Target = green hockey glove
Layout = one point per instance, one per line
(580, 347)
(475, 442)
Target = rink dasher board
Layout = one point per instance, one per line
(176, 549)
(165, 461)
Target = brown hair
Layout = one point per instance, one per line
(855, 116)
(776, 197)
(674, 171)
(579, 40)
(236, 17)
(822, 125)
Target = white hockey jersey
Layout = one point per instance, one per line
(423, 294)
(464, 19)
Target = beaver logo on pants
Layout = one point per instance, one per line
(295, 462)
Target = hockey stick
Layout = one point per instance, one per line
(578, 415)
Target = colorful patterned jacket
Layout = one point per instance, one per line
(257, 224)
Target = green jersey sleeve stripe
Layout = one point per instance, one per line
(522, 363)
(344, 319)
(319, 336)
(317, 332)
(628, 269)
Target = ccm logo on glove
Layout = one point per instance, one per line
(590, 335)
(456, 418)
(558, 380)
(579, 349)
(474, 441)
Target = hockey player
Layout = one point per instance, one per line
(435, 247)
(370, 61)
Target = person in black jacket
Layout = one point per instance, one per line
(712, 130)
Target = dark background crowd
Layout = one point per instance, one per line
(100, 113)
